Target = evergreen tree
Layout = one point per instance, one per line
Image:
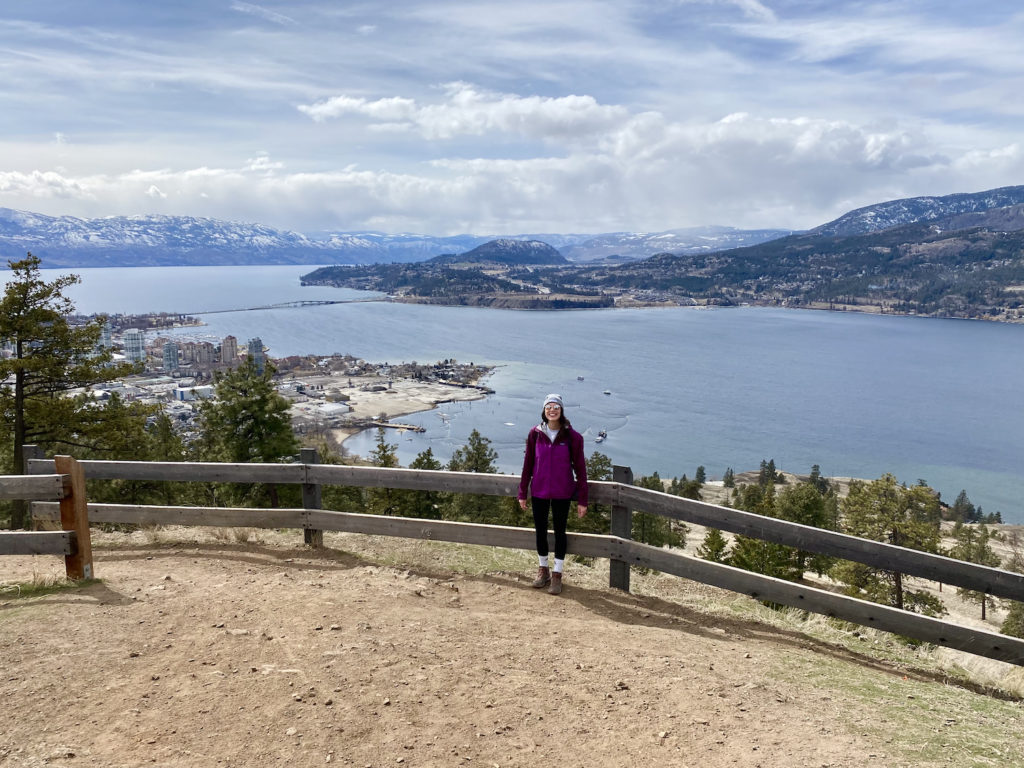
(701, 475)
(972, 545)
(820, 483)
(654, 529)
(757, 555)
(383, 501)
(1013, 624)
(476, 456)
(963, 510)
(598, 517)
(425, 504)
(714, 547)
(729, 478)
(884, 510)
(247, 421)
(805, 504)
(50, 359)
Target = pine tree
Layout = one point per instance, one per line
(424, 504)
(884, 510)
(598, 517)
(805, 504)
(248, 421)
(972, 545)
(757, 555)
(50, 359)
(654, 529)
(383, 501)
(714, 547)
(476, 456)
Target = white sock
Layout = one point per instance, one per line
(559, 565)
(543, 560)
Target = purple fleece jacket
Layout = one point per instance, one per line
(549, 468)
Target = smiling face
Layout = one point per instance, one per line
(553, 413)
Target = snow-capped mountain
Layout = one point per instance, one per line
(509, 251)
(894, 213)
(640, 245)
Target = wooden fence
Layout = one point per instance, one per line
(618, 548)
(67, 486)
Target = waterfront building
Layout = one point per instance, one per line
(106, 335)
(203, 353)
(259, 359)
(229, 350)
(171, 356)
(134, 345)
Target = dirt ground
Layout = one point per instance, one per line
(208, 651)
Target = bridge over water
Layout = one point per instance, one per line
(282, 305)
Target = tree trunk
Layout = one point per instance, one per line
(19, 508)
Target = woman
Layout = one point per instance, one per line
(554, 473)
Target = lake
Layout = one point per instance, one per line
(859, 395)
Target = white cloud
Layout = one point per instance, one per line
(470, 111)
(642, 172)
(264, 13)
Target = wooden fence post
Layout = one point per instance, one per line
(74, 517)
(29, 452)
(312, 499)
(621, 526)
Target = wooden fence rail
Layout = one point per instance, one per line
(614, 548)
(73, 542)
(622, 496)
(946, 570)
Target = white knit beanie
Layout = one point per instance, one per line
(556, 399)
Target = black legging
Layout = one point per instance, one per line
(560, 515)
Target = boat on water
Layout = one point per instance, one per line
(607, 392)
(579, 378)
(601, 436)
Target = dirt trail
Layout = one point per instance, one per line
(219, 653)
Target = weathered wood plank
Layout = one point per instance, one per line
(319, 474)
(621, 525)
(590, 545)
(312, 498)
(49, 487)
(37, 543)
(880, 555)
(73, 517)
(188, 471)
(227, 517)
(979, 642)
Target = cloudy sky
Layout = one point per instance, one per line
(449, 116)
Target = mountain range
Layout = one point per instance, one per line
(155, 240)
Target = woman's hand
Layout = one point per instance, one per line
(581, 509)
(522, 503)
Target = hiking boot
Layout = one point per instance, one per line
(543, 577)
(556, 584)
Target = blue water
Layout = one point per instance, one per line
(859, 395)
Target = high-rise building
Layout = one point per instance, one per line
(171, 356)
(204, 353)
(134, 345)
(106, 335)
(255, 347)
(229, 350)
